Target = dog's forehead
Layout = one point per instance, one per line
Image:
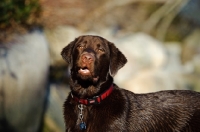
(92, 40)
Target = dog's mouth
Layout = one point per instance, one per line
(86, 74)
(84, 71)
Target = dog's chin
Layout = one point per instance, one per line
(87, 75)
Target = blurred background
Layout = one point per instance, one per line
(160, 38)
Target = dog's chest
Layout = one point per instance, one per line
(93, 118)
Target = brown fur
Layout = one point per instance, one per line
(122, 111)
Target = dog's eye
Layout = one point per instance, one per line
(80, 46)
(101, 50)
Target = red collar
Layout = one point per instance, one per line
(94, 100)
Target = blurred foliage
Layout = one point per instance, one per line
(18, 16)
(18, 11)
(180, 29)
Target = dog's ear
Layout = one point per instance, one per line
(67, 52)
(118, 60)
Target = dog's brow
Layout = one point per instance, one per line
(85, 41)
(99, 40)
(80, 39)
(94, 40)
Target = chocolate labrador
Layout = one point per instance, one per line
(96, 104)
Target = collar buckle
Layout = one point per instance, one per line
(95, 100)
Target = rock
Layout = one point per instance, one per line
(153, 81)
(152, 66)
(24, 66)
(54, 120)
(142, 52)
(58, 38)
(174, 64)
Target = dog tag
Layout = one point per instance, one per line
(82, 126)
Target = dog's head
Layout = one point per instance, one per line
(92, 59)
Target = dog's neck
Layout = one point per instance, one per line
(95, 100)
(93, 89)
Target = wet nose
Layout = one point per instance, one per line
(87, 58)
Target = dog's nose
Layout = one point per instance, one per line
(87, 58)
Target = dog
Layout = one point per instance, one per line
(96, 104)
